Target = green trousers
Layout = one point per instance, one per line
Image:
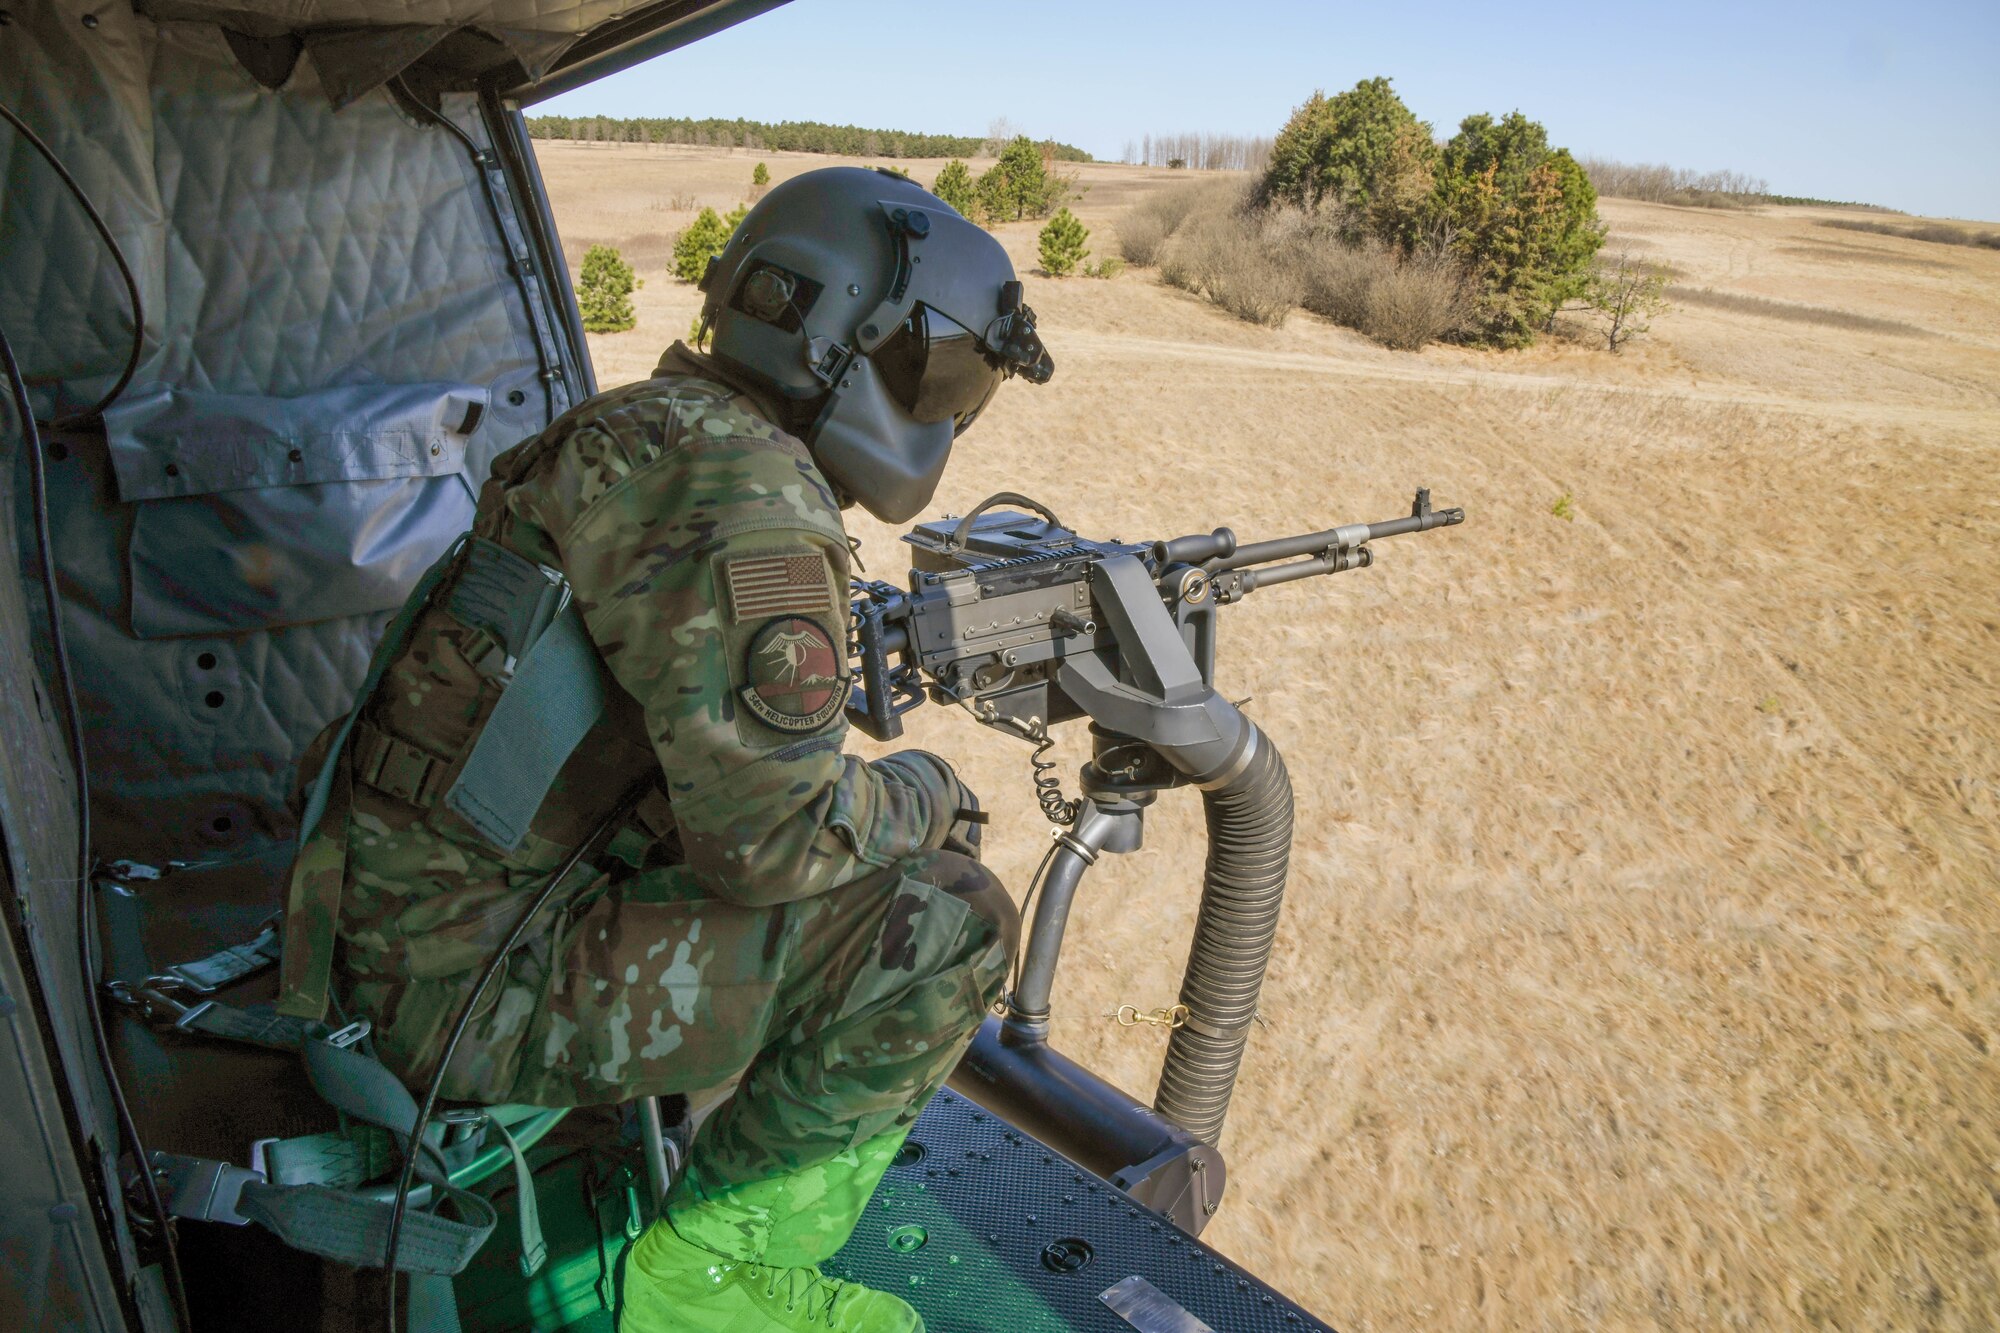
(842, 1012)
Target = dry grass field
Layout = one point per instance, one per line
(1641, 962)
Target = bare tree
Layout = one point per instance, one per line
(1628, 292)
(1658, 183)
(1204, 151)
(1000, 132)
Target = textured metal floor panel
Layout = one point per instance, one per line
(981, 1228)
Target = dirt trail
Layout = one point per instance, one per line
(1132, 347)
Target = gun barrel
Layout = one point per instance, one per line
(1396, 527)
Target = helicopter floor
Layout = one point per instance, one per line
(979, 1226)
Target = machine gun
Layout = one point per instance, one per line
(1027, 624)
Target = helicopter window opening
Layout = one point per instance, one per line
(206, 661)
(215, 698)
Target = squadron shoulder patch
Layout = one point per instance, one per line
(797, 675)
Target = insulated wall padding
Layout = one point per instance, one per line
(84, 91)
(330, 295)
(193, 739)
(309, 248)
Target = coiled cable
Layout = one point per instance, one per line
(1056, 808)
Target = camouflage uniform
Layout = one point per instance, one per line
(771, 904)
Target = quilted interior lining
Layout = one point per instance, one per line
(285, 250)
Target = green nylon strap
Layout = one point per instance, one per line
(338, 1159)
(555, 698)
(433, 1306)
(361, 1086)
(369, 1091)
(350, 1227)
(312, 902)
(534, 1248)
(353, 1229)
(256, 1025)
(225, 967)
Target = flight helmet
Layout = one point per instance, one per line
(881, 316)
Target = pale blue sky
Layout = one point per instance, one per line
(1890, 104)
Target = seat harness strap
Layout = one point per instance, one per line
(312, 901)
(332, 1219)
(226, 967)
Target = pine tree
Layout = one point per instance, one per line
(1062, 244)
(1361, 151)
(705, 237)
(1522, 216)
(604, 291)
(761, 176)
(954, 186)
(1019, 184)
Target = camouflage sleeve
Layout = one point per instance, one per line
(713, 579)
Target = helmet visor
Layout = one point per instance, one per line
(936, 368)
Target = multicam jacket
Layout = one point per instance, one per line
(706, 555)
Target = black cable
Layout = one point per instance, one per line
(117, 255)
(464, 1021)
(400, 89)
(65, 684)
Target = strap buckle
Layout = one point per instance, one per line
(352, 1034)
(152, 1001)
(203, 1189)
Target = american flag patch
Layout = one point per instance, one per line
(778, 585)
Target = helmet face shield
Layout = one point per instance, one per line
(938, 369)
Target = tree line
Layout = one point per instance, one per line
(790, 136)
(1658, 183)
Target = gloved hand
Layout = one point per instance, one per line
(954, 809)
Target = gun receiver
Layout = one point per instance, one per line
(1028, 624)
